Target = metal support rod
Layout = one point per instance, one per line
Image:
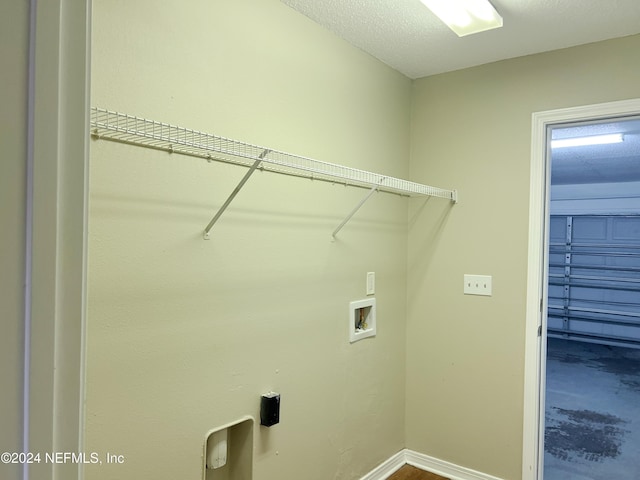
(353, 212)
(234, 193)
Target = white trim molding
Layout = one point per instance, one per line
(426, 463)
(444, 468)
(535, 352)
(55, 295)
(388, 467)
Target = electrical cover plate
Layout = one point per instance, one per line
(477, 285)
(371, 283)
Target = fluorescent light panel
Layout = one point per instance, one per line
(583, 141)
(465, 17)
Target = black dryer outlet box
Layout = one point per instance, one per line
(270, 409)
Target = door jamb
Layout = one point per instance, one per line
(56, 234)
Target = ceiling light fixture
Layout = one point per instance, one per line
(583, 141)
(465, 17)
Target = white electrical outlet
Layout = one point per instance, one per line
(477, 285)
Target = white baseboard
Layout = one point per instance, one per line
(387, 468)
(446, 469)
(424, 462)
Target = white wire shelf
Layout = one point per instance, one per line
(120, 127)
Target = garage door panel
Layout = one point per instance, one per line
(557, 229)
(590, 229)
(626, 229)
(594, 279)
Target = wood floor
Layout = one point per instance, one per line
(412, 473)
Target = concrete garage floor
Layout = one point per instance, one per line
(592, 412)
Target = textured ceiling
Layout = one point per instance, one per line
(405, 35)
(614, 163)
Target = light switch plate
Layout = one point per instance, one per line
(477, 285)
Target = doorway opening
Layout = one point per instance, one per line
(592, 395)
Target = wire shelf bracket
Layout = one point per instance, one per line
(353, 212)
(236, 190)
(133, 130)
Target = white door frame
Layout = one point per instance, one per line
(56, 234)
(536, 305)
